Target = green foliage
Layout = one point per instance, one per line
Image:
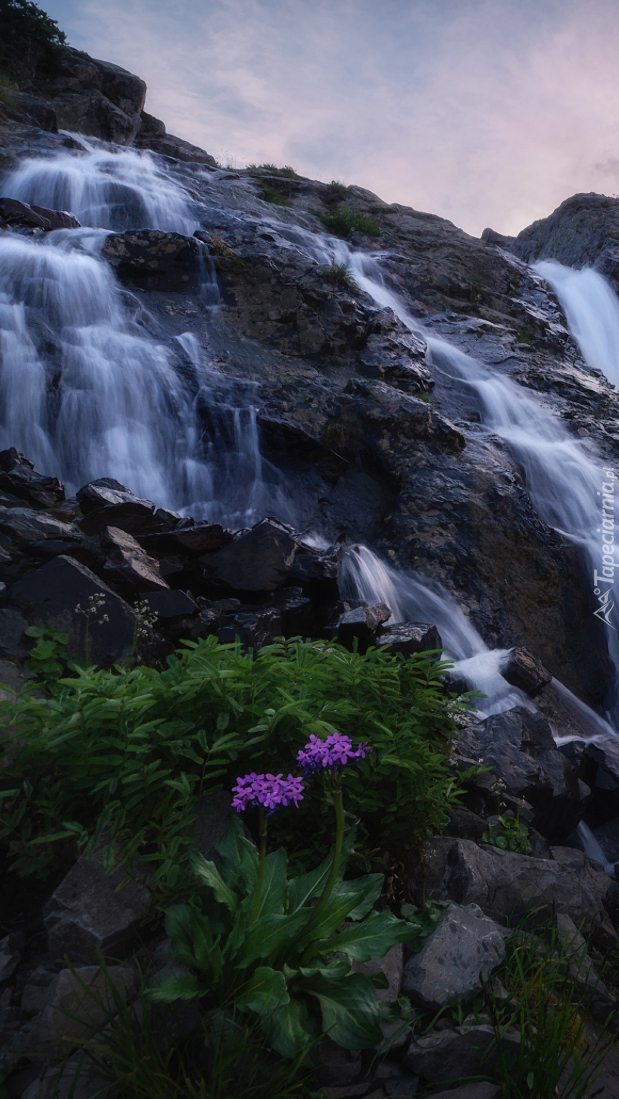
(272, 194)
(342, 220)
(271, 169)
(556, 1058)
(336, 192)
(339, 272)
(509, 833)
(423, 921)
(226, 1055)
(280, 949)
(49, 656)
(130, 751)
(26, 30)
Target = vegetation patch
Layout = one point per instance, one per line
(272, 194)
(343, 220)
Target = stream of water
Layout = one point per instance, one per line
(89, 389)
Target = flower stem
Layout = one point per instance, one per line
(262, 832)
(338, 805)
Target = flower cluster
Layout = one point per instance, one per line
(334, 752)
(270, 791)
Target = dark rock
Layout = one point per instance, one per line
(11, 947)
(23, 525)
(519, 747)
(153, 260)
(456, 1054)
(191, 541)
(525, 671)
(337, 1067)
(15, 212)
(456, 960)
(12, 640)
(20, 478)
(466, 824)
(128, 563)
(590, 989)
(254, 629)
(362, 625)
(214, 816)
(297, 615)
(93, 97)
(78, 1002)
(93, 912)
(480, 1090)
(50, 595)
(107, 492)
(508, 886)
(170, 604)
(259, 560)
(576, 233)
(318, 573)
(408, 638)
(599, 769)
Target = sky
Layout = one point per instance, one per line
(487, 112)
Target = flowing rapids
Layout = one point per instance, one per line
(88, 388)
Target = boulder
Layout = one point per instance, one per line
(519, 747)
(318, 573)
(108, 492)
(92, 913)
(456, 960)
(78, 1003)
(93, 97)
(599, 768)
(23, 525)
(525, 671)
(19, 478)
(458, 1053)
(361, 625)
(409, 638)
(258, 560)
(153, 260)
(391, 965)
(589, 986)
(508, 886)
(254, 629)
(481, 1090)
(169, 604)
(51, 595)
(190, 541)
(12, 641)
(11, 947)
(128, 563)
(297, 614)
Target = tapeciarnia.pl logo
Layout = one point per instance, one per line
(603, 582)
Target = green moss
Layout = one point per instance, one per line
(271, 194)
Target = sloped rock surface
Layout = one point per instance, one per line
(154, 260)
(456, 960)
(508, 886)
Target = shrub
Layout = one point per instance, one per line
(272, 194)
(342, 220)
(271, 169)
(339, 272)
(129, 752)
(28, 36)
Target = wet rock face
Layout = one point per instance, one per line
(93, 97)
(153, 260)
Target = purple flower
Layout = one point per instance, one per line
(334, 752)
(268, 790)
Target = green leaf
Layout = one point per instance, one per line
(368, 888)
(350, 1010)
(178, 988)
(209, 875)
(274, 884)
(269, 935)
(265, 991)
(372, 938)
(289, 1029)
(239, 858)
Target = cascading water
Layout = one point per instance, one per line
(592, 311)
(562, 476)
(87, 389)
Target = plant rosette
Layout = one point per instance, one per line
(283, 948)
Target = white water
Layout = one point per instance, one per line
(92, 393)
(592, 311)
(86, 388)
(106, 187)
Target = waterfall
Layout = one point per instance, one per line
(87, 389)
(592, 312)
(106, 187)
